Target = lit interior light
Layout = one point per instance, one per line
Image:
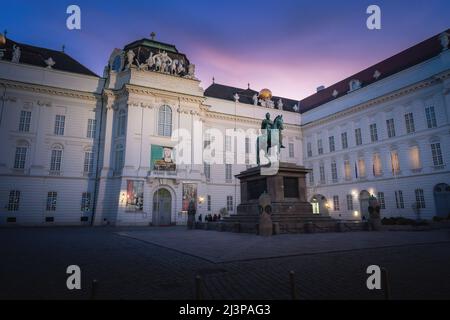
(355, 213)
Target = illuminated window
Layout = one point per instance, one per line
(135, 195)
(395, 164)
(377, 168)
(414, 158)
(347, 170)
(362, 168)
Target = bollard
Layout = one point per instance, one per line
(292, 283)
(198, 288)
(385, 283)
(94, 289)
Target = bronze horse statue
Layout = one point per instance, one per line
(266, 138)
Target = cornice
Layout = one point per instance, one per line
(385, 98)
(41, 89)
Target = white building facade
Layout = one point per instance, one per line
(82, 149)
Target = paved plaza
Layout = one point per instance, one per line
(161, 263)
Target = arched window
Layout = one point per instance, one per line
(121, 123)
(414, 157)
(165, 121)
(118, 159)
(56, 159)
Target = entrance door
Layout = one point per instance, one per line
(442, 199)
(162, 208)
(364, 203)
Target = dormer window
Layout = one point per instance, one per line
(355, 84)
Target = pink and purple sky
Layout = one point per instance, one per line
(288, 46)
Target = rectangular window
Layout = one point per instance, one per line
(322, 174)
(347, 170)
(88, 167)
(344, 140)
(395, 163)
(92, 125)
(208, 202)
(362, 168)
(349, 202)
(291, 150)
(373, 132)
(51, 201)
(25, 121)
(420, 199)
(437, 154)
(20, 158)
(135, 195)
(399, 199)
(377, 168)
(319, 146)
(309, 149)
(207, 169)
(13, 200)
(331, 144)
(334, 174)
(358, 137)
(60, 122)
(85, 202)
(381, 200)
(409, 122)
(228, 171)
(228, 143)
(431, 117)
(311, 177)
(55, 161)
(336, 203)
(230, 203)
(390, 128)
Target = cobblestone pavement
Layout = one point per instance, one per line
(34, 261)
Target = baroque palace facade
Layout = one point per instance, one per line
(83, 149)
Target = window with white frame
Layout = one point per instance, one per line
(381, 200)
(208, 202)
(121, 123)
(409, 123)
(349, 202)
(420, 198)
(60, 123)
(334, 175)
(309, 149)
(390, 128)
(85, 202)
(373, 132)
(20, 157)
(436, 154)
(165, 121)
(336, 206)
(291, 150)
(399, 199)
(228, 172)
(88, 167)
(358, 137)
(91, 128)
(377, 166)
(228, 145)
(319, 146)
(344, 140)
(118, 159)
(230, 203)
(322, 173)
(25, 121)
(331, 144)
(56, 159)
(13, 200)
(51, 200)
(414, 158)
(431, 117)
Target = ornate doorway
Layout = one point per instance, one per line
(319, 204)
(364, 203)
(162, 208)
(442, 199)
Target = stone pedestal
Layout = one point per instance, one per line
(290, 210)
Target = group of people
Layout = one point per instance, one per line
(209, 218)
